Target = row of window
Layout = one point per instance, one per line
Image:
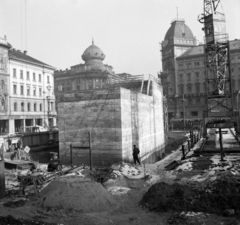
(22, 107)
(82, 84)
(28, 76)
(34, 90)
(189, 76)
(190, 65)
(35, 109)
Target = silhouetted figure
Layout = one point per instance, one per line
(135, 154)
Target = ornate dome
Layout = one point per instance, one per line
(179, 29)
(93, 55)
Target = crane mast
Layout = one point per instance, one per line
(217, 64)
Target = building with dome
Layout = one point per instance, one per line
(119, 110)
(183, 73)
(90, 75)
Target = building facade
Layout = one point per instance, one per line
(4, 86)
(31, 99)
(81, 77)
(183, 75)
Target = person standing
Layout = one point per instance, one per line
(136, 151)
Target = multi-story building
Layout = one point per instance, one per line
(93, 74)
(31, 92)
(183, 75)
(4, 86)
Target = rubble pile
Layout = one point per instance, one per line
(74, 193)
(221, 196)
(13, 221)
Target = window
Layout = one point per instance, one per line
(78, 87)
(180, 66)
(51, 106)
(15, 106)
(29, 107)
(197, 88)
(35, 107)
(60, 87)
(170, 91)
(34, 91)
(196, 64)
(28, 90)
(22, 107)
(188, 76)
(190, 101)
(181, 89)
(2, 85)
(14, 73)
(40, 92)
(189, 65)
(198, 101)
(14, 89)
(180, 77)
(194, 113)
(40, 107)
(21, 74)
(189, 88)
(97, 83)
(34, 77)
(39, 78)
(197, 75)
(21, 90)
(28, 76)
(89, 84)
(232, 70)
(48, 79)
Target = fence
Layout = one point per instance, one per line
(193, 139)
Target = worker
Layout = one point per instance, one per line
(135, 154)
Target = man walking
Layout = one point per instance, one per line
(135, 154)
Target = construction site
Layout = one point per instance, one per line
(185, 177)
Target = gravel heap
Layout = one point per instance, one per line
(74, 193)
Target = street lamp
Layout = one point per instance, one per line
(183, 105)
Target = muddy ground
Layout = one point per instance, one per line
(128, 187)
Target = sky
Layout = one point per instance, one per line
(129, 32)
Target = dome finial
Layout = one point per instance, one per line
(92, 41)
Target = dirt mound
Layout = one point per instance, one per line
(75, 193)
(217, 197)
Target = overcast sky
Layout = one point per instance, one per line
(128, 31)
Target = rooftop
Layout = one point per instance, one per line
(22, 56)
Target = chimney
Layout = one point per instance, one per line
(25, 52)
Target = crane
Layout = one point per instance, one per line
(217, 67)
(219, 112)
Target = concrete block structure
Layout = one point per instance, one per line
(117, 118)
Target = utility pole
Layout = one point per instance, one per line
(183, 105)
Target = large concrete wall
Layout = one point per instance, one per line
(142, 122)
(103, 119)
(116, 125)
